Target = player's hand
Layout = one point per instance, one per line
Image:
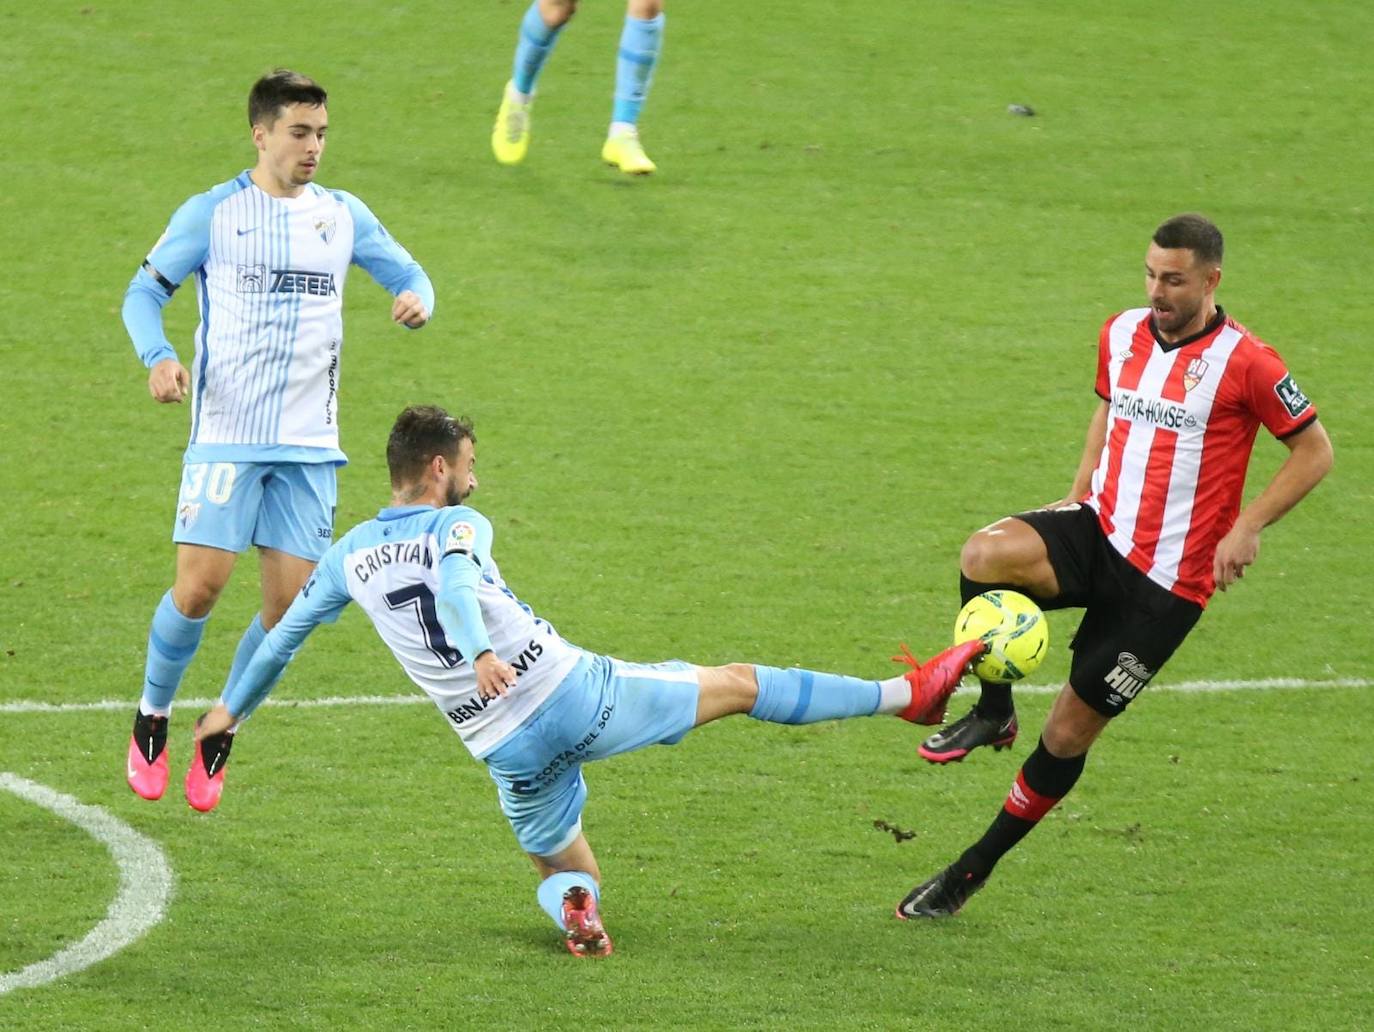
(169, 381)
(495, 676)
(409, 310)
(1237, 550)
(212, 723)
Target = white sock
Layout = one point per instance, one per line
(895, 695)
(622, 128)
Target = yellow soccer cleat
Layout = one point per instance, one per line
(510, 137)
(623, 151)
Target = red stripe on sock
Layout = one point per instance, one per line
(1026, 803)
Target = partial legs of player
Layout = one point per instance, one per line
(178, 623)
(569, 892)
(620, 706)
(641, 41)
(539, 31)
(1045, 778)
(1007, 554)
(636, 57)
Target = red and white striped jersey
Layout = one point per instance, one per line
(1181, 425)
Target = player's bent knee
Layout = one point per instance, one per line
(982, 558)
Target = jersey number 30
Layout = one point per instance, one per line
(421, 599)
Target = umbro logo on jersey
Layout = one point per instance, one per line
(299, 281)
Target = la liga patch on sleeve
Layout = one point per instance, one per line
(1294, 400)
(461, 538)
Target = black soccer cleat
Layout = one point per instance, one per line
(941, 896)
(957, 740)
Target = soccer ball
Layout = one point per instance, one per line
(1017, 633)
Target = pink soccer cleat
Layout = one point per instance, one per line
(205, 778)
(147, 762)
(934, 681)
(584, 935)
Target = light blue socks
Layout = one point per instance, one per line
(640, 43)
(551, 891)
(533, 49)
(795, 696)
(172, 642)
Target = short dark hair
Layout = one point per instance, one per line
(420, 433)
(279, 88)
(1197, 233)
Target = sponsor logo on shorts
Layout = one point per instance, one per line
(567, 760)
(1128, 677)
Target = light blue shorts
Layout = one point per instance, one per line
(283, 505)
(604, 707)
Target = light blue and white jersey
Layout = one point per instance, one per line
(394, 567)
(269, 274)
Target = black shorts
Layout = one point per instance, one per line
(1131, 625)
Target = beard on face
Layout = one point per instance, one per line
(454, 493)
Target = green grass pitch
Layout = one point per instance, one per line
(746, 409)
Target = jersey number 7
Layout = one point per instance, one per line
(421, 599)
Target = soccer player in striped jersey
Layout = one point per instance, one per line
(530, 705)
(640, 42)
(1151, 525)
(269, 251)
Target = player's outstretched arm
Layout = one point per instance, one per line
(1309, 459)
(321, 601)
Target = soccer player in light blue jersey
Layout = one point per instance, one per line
(269, 251)
(523, 700)
(641, 40)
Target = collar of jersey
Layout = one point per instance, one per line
(396, 512)
(1217, 322)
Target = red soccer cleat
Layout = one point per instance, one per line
(205, 778)
(584, 935)
(147, 762)
(934, 681)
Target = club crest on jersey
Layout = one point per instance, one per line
(1192, 376)
(1294, 400)
(325, 228)
(252, 279)
(187, 514)
(461, 537)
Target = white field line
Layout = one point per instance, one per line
(145, 886)
(1186, 687)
